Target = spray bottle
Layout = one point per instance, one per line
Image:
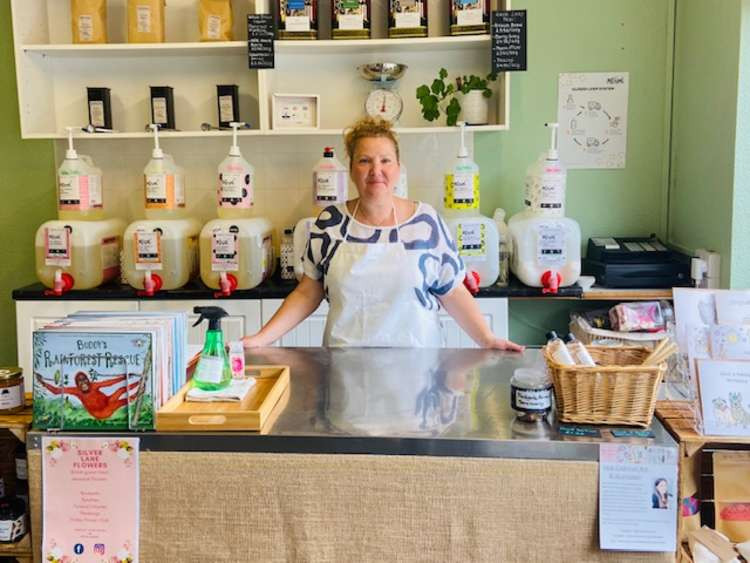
(544, 189)
(164, 195)
(79, 194)
(462, 183)
(236, 179)
(213, 371)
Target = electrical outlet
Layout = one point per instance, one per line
(713, 267)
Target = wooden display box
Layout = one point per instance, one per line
(252, 413)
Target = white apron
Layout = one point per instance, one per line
(372, 298)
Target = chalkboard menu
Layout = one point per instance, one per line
(508, 30)
(260, 36)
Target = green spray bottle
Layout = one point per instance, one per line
(212, 372)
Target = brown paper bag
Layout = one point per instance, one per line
(146, 21)
(732, 494)
(215, 20)
(89, 21)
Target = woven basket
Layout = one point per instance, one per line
(587, 334)
(617, 391)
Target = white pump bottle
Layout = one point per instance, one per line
(79, 186)
(236, 182)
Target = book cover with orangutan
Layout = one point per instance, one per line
(93, 380)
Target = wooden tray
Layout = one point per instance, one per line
(251, 413)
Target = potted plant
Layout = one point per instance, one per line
(475, 90)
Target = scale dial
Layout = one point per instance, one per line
(385, 104)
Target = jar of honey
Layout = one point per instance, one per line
(11, 390)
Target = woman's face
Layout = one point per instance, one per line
(662, 487)
(375, 168)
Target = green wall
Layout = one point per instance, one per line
(596, 36)
(740, 264)
(705, 118)
(27, 178)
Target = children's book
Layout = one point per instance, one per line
(86, 380)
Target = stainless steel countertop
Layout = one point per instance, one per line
(445, 402)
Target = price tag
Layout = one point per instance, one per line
(508, 30)
(260, 37)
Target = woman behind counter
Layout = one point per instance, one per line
(386, 264)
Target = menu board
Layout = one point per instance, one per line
(260, 35)
(508, 30)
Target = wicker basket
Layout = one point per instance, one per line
(587, 334)
(617, 391)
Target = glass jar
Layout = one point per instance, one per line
(11, 390)
(530, 394)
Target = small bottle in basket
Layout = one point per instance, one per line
(579, 352)
(557, 349)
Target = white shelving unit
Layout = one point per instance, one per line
(53, 73)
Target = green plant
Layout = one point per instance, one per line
(432, 97)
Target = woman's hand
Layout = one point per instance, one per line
(502, 344)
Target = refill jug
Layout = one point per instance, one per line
(236, 182)
(236, 253)
(476, 236)
(160, 254)
(78, 254)
(164, 184)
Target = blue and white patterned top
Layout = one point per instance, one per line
(425, 233)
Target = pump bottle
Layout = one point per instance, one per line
(213, 371)
(544, 189)
(462, 183)
(236, 182)
(79, 193)
(164, 194)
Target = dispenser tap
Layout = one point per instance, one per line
(151, 284)
(62, 284)
(228, 283)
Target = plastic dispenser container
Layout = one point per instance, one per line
(78, 254)
(401, 189)
(476, 236)
(236, 250)
(546, 249)
(329, 182)
(164, 184)
(161, 252)
(505, 244)
(79, 186)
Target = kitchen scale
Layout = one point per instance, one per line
(383, 101)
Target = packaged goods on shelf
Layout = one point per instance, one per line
(89, 21)
(215, 20)
(146, 21)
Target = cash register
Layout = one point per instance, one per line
(635, 262)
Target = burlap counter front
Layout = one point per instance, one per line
(206, 507)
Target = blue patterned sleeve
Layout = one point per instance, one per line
(452, 270)
(322, 242)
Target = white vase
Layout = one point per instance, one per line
(474, 108)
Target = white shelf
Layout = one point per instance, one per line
(282, 47)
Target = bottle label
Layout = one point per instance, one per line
(96, 113)
(95, 193)
(11, 397)
(408, 19)
(462, 191)
(297, 23)
(148, 250)
(224, 255)
(531, 400)
(465, 16)
(226, 109)
(551, 192)
(86, 28)
(143, 19)
(328, 186)
(287, 260)
(162, 193)
(213, 27)
(471, 241)
(160, 110)
(57, 247)
(210, 369)
(110, 256)
(351, 21)
(74, 192)
(21, 469)
(235, 191)
(551, 247)
(11, 530)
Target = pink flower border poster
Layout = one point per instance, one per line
(90, 500)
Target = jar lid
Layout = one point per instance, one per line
(10, 372)
(530, 378)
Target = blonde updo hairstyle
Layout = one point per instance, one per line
(369, 127)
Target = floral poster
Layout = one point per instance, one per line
(90, 496)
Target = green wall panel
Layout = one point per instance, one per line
(27, 179)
